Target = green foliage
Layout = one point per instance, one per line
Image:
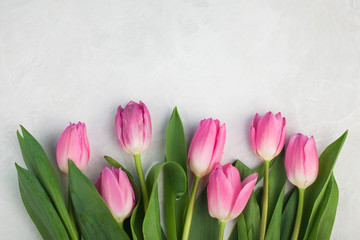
(252, 211)
(243, 232)
(39, 164)
(314, 194)
(137, 217)
(42, 198)
(203, 226)
(325, 218)
(289, 215)
(175, 175)
(277, 182)
(39, 206)
(321, 200)
(175, 151)
(92, 214)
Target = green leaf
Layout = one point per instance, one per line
(288, 195)
(113, 163)
(175, 175)
(175, 141)
(203, 226)
(252, 217)
(246, 171)
(250, 234)
(289, 214)
(234, 233)
(277, 182)
(252, 211)
(39, 206)
(137, 217)
(92, 214)
(258, 196)
(326, 214)
(241, 228)
(152, 226)
(39, 164)
(136, 221)
(274, 227)
(175, 151)
(314, 194)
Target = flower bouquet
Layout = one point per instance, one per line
(121, 206)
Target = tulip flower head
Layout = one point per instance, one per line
(73, 145)
(268, 135)
(115, 188)
(227, 195)
(301, 161)
(133, 127)
(206, 147)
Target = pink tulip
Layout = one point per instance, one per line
(133, 127)
(206, 147)
(73, 145)
(301, 161)
(227, 195)
(268, 135)
(116, 190)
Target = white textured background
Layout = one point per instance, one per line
(64, 61)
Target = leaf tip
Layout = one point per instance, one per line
(22, 128)
(19, 169)
(18, 134)
(16, 165)
(25, 132)
(175, 112)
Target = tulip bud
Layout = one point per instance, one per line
(301, 161)
(206, 147)
(115, 188)
(73, 145)
(227, 195)
(133, 127)
(268, 135)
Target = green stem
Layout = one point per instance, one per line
(221, 230)
(72, 217)
(144, 192)
(265, 200)
(299, 214)
(190, 209)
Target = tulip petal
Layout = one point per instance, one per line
(253, 128)
(281, 142)
(133, 127)
(233, 175)
(127, 192)
(219, 145)
(119, 129)
(116, 190)
(202, 147)
(247, 187)
(98, 183)
(219, 194)
(73, 144)
(111, 194)
(268, 135)
(301, 161)
(147, 131)
(311, 163)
